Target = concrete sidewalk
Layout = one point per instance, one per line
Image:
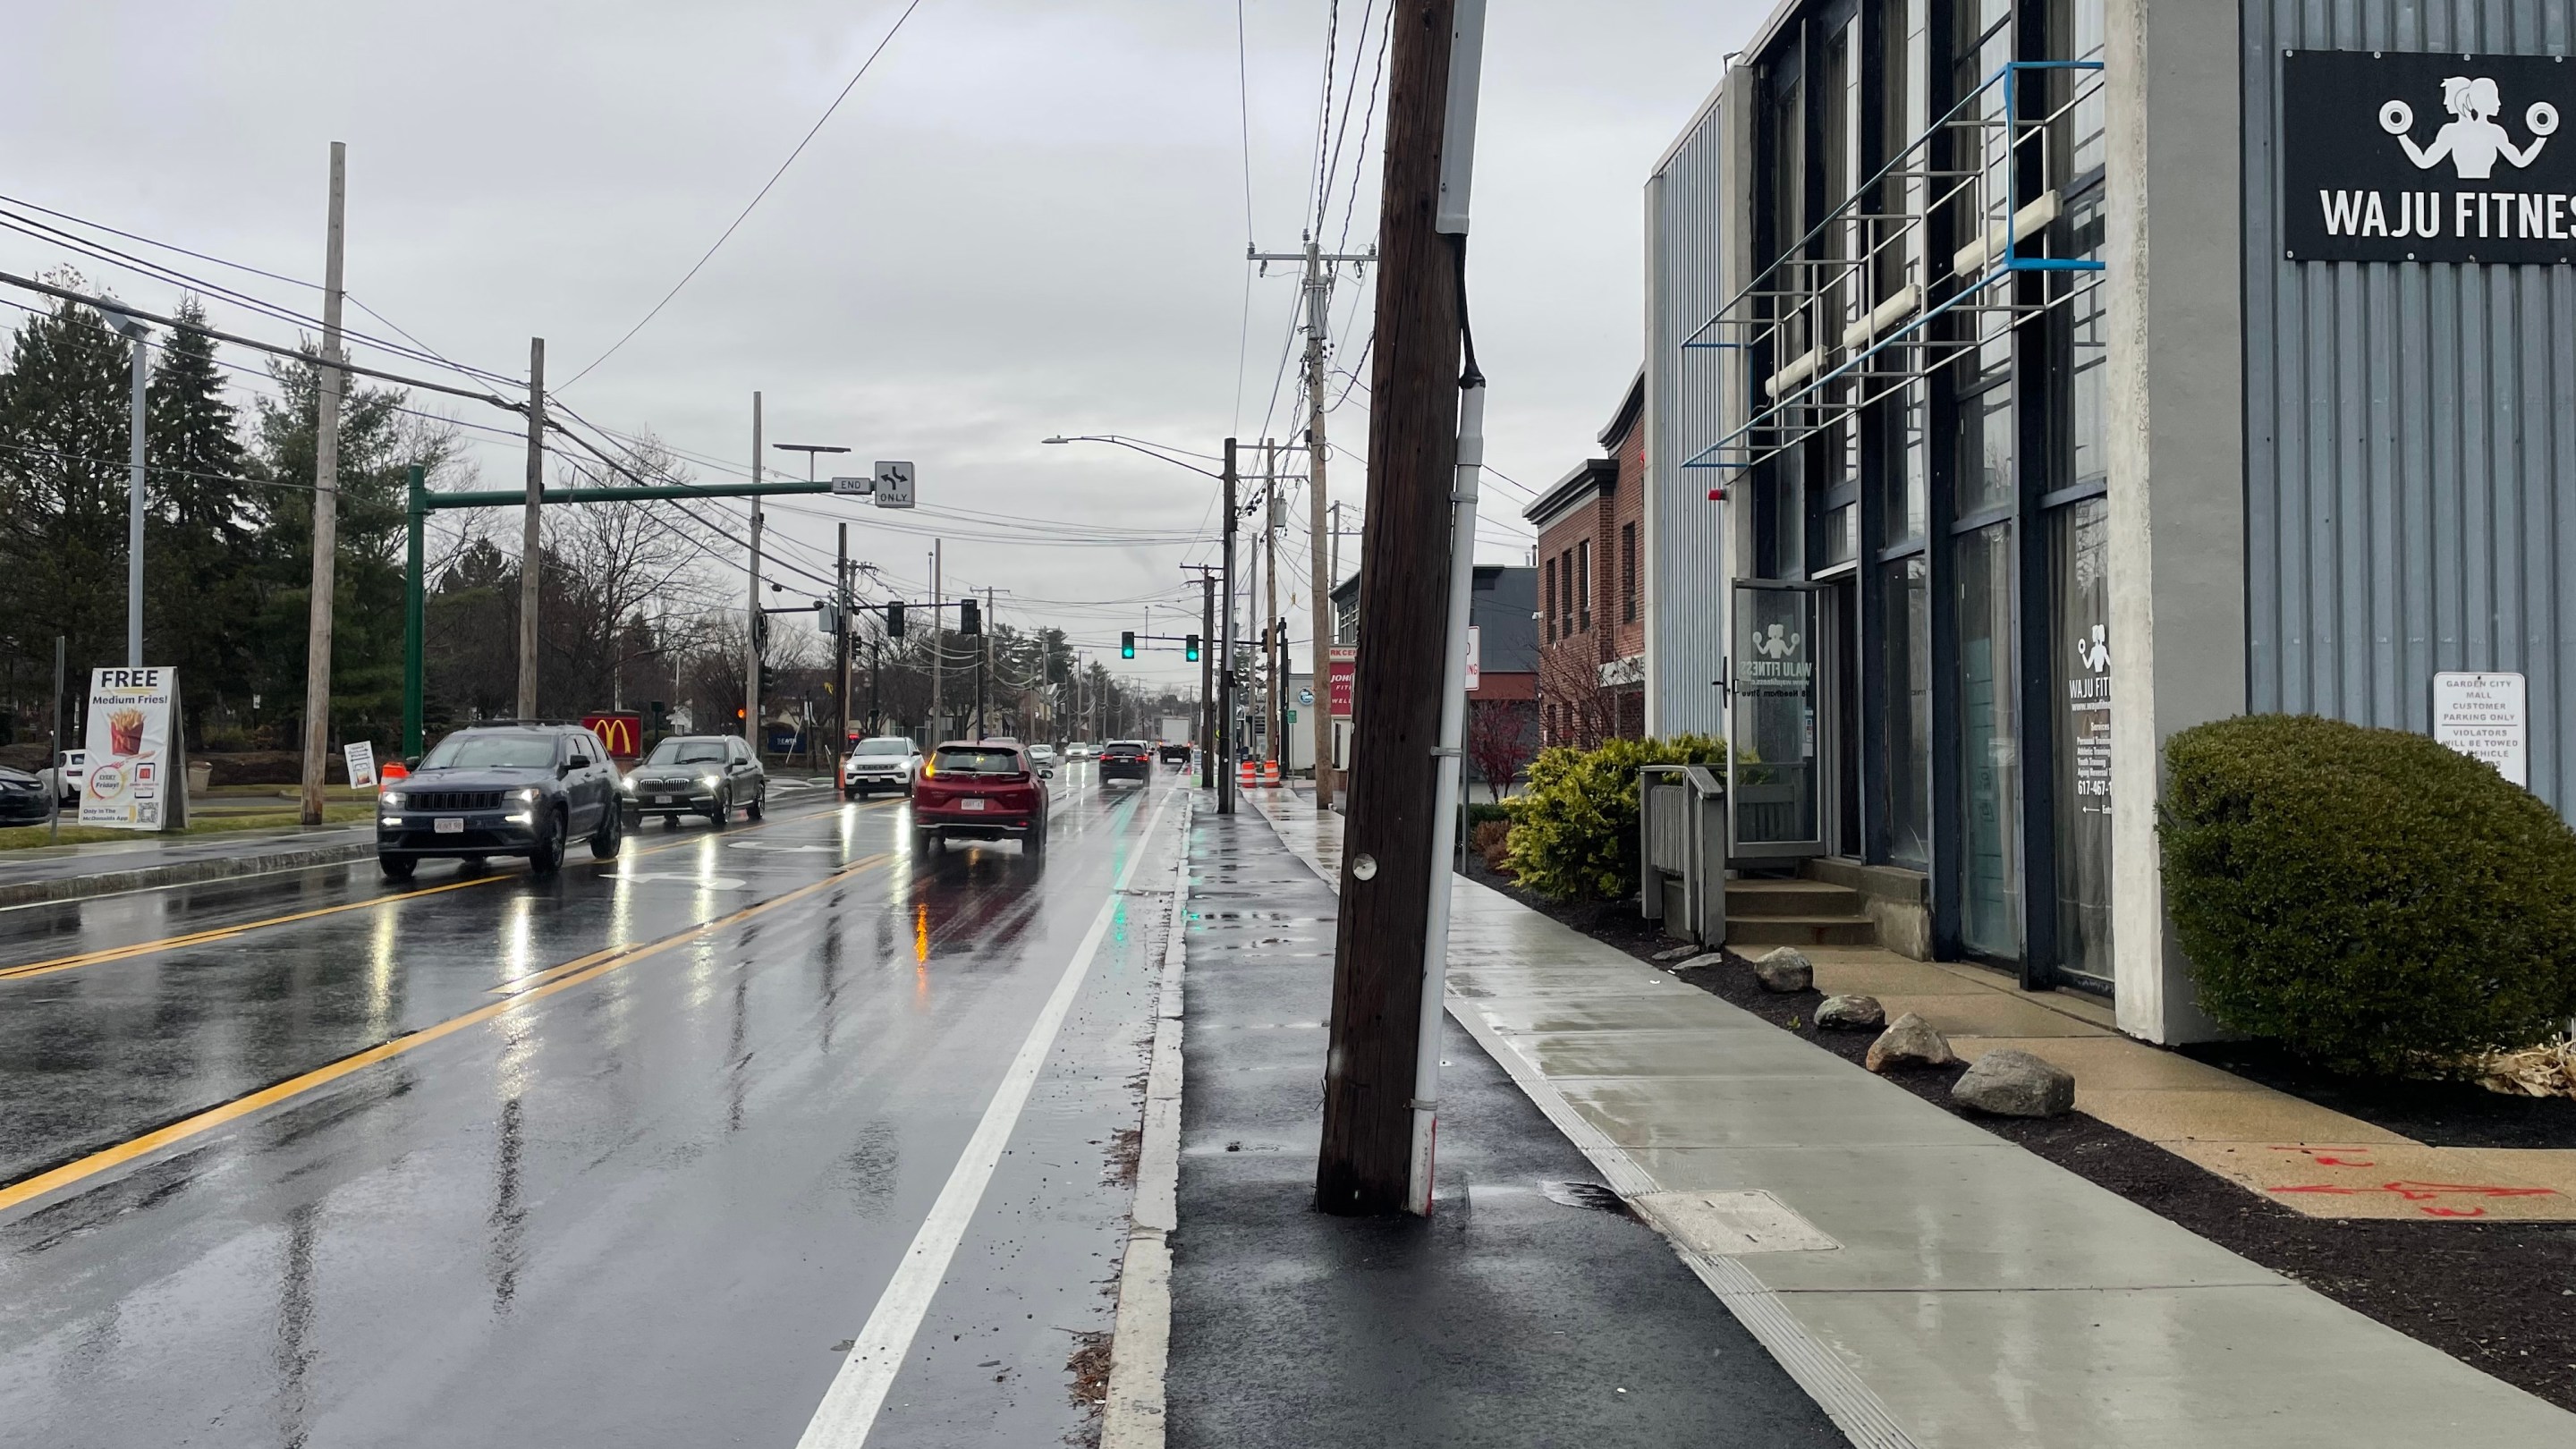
(73, 872)
(1928, 1282)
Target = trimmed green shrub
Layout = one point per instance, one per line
(2366, 897)
(1479, 814)
(1574, 830)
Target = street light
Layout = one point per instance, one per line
(1162, 452)
(809, 450)
(131, 328)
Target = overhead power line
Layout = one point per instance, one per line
(757, 197)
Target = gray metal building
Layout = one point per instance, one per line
(2075, 373)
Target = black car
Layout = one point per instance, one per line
(1126, 760)
(705, 775)
(22, 799)
(515, 789)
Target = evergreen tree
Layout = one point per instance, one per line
(201, 576)
(64, 428)
(378, 443)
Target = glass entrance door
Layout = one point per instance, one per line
(1774, 809)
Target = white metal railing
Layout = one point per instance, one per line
(1846, 316)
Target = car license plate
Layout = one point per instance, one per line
(448, 825)
(970, 804)
(661, 799)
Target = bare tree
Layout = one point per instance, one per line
(609, 568)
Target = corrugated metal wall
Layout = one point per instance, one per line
(1686, 531)
(2410, 434)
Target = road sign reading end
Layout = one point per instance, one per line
(894, 485)
(843, 487)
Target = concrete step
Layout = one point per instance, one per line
(1754, 931)
(1792, 898)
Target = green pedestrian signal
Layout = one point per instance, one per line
(1192, 648)
(1127, 644)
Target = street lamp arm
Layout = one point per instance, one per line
(1148, 449)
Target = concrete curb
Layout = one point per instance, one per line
(185, 872)
(1140, 1345)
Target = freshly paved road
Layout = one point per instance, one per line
(624, 1157)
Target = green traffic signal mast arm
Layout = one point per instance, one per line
(423, 502)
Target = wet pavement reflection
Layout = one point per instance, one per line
(638, 1201)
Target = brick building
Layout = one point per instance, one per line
(1591, 624)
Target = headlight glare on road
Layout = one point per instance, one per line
(529, 797)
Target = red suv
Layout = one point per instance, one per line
(980, 790)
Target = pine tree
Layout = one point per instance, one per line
(379, 441)
(64, 429)
(200, 564)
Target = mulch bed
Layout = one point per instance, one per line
(2445, 1114)
(2500, 1297)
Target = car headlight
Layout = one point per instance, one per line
(706, 782)
(391, 800)
(528, 796)
(626, 784)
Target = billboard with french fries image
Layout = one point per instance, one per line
(135, 769)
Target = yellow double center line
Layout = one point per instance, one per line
(225, 933)
(528, 989)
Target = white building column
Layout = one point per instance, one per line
(2174, 368)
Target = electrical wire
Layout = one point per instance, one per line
(757, 197)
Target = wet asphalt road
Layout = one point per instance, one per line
(623, 1157)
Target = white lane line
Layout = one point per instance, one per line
(850, 1406)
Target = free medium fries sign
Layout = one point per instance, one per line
(138, 776)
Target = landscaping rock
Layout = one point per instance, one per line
(1677, 953)
(1784, 970)
(2010, 1083)
(1909, 1042)
(1851, 1013)
(1713, 958)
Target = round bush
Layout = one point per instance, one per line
(1574, 830)
(2366, 897)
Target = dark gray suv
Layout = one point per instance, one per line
(515, 789)
(709, 775)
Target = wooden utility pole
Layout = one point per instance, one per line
(751, 620)
(938, 643)
(1387, 839)
(1207, 676)
(326, 500)
(1273, 648)
(531, 540)
(1321, 578)
(841, 654)
(1225, 653)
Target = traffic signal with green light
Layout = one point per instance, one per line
(1192, 648)
(1127, 644)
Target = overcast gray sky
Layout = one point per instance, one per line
(1029, 218)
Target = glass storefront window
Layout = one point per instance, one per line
(1985, 475)
(1842, 534)
(2080, 629)
(1989, 759)
(1909, 704)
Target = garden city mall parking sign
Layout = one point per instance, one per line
(2401, 156)
(137, 777)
